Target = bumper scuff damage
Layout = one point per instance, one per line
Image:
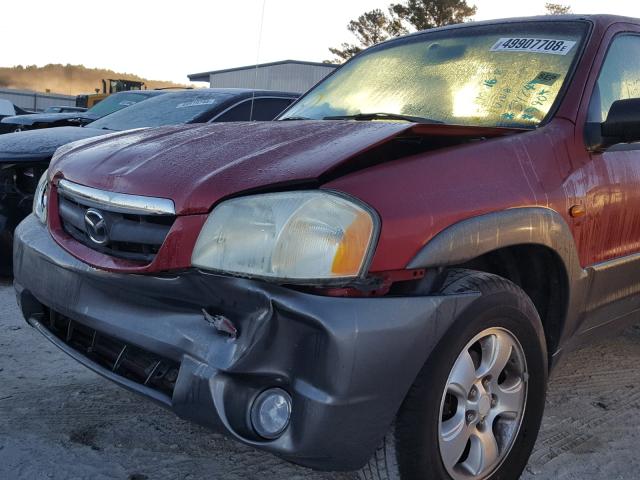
(347, 363)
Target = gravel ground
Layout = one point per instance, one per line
(60, 421)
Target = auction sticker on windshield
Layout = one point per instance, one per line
(197, 103)
(533, 45)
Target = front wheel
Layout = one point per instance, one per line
(475, 408)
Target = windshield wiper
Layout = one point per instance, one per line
(382, 116)
(294, 118)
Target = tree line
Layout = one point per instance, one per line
(376, 25)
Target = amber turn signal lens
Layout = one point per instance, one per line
(577, 211)
(352, 250)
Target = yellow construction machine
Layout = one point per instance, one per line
(109, 86)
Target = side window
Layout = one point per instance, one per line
(263, 109)
(619, 78)
(269, 108)
(239, 113)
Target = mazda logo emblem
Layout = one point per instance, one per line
(96, 227)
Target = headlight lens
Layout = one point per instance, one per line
(305, 235)
(40, 198)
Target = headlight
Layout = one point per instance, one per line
(300, 236)
(40, 198)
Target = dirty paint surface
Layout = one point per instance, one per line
(41, 143)
(197, 165)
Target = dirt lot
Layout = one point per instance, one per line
(61, 421)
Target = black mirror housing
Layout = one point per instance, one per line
(623, 122)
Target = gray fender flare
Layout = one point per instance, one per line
(470, 238)
(476, 236)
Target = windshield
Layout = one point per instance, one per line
(115, 102)
(490, 75)
(167, 109)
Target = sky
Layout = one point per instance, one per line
(168, 39)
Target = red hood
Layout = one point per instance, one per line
(196, 166)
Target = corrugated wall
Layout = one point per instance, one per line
(35, 100)
(287, 77)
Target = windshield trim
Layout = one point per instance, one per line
(405, 38)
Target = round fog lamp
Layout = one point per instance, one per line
(270, 413)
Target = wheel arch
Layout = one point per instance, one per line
(526, 245)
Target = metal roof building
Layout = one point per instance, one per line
(285, 76)
(36, 101)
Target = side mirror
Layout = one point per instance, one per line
(622, 124)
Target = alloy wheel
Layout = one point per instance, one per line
(483, 405)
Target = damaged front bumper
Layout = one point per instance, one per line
(347, 363)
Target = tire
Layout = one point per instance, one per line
(6, 255)
(411, 450)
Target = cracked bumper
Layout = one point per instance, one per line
(346, 362)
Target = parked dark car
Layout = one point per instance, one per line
(64, 109)
(383, 286)
(109, 105)
(25, 155)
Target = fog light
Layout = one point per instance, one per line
(270, 413)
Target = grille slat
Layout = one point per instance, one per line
(124, 359)
(131, 236)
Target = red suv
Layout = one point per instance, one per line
(381, 279)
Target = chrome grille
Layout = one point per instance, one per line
(120, 225)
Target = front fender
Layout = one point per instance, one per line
(476, 236)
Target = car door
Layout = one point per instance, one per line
(609, 186)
